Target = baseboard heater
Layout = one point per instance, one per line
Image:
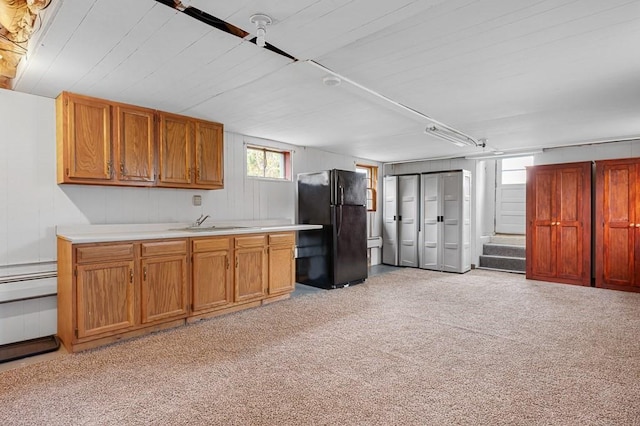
(25, 327)
(27, 281)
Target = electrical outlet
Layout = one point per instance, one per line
(197, 200)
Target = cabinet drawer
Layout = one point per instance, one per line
(285, 239)
(211, 244)
(253, 241)
(104, 253)
(164, 247)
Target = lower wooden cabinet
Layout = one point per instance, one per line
(282, 267)
(110, 291)
(164, 284)
(105, 297)
(211, 279)
(250, 268)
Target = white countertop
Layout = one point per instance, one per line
(126, 232)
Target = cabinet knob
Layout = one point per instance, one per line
(637, 225)
(631, 225)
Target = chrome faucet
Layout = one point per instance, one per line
(199, 221)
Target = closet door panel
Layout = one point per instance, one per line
(569, 223)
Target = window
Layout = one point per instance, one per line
(372, 184)
(513, 170)
(268, 163)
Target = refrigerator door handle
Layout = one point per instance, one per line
(339, 220)
(341, 195)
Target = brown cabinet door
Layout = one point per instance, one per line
(104, 298)
(570, 235)
(176, 139)
(617, 217)
(281, 269)
(212, 280)
(541, 241)
(135, 144)
(163, 288)
(250, 273)
(209, 154)
(559, 223)
(88, 138)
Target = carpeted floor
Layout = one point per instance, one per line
(409, 347)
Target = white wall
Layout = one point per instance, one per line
(32, 204)
(603, 151)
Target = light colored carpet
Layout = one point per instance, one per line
(410, 347)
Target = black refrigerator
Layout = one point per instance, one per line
(336, 255)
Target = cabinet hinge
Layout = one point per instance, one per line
(76, 331)
(67, 171)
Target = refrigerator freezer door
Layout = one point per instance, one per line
(314, 198)
(349, 188)
(350, 245)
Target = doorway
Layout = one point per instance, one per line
(511, 191)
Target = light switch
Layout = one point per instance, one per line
(197, 200)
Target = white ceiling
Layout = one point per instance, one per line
(521, 73)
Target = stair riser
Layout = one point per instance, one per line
(503, 250)
(508, 264)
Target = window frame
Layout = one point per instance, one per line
(265, 149)
(372, 184)
(501, 170)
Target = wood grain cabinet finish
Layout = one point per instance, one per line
(84, 146)
(135, 144)
(212, 278)
(176, 141)
(102, 142)
(558, 247)
(191, 152)
(209, 154)
(105, 297)
(617, 227)
(282, 266)
(111, 291)
(164, 283)
(251, 268)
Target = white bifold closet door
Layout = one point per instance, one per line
(409, 220)
(389, 221)
(401, 220)
(446, 221)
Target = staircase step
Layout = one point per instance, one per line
(508, 250)
(512, 239)
(506, 263)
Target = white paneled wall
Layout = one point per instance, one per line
(32, 204)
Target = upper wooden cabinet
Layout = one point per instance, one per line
(191, 152)
(617, 208)
(83, 139)
(559, 223)
(209, 155)
(102, 142)
(176, 140)
(135, 144)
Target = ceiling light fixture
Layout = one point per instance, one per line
(261, 21)
(452, 135)
(331, 81)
